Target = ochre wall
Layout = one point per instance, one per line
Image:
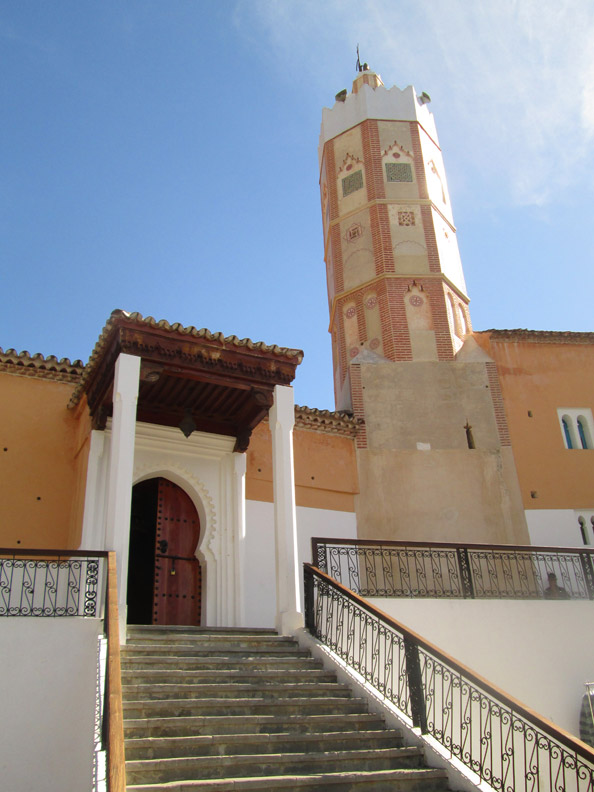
(541, 377)
(43, 462)
(325, 469)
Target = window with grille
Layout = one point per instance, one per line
(352, 183)
(399, 172)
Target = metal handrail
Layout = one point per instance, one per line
(476, 721)
(447, 569)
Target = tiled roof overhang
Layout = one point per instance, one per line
(27, 365)
(327, 421)
(226, 383)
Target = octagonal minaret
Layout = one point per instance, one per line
(395, 280)
(433, 454)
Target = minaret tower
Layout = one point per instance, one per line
(403, 354)
(395, 281)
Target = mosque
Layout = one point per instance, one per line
(183, 451)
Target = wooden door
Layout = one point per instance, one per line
(177, 587)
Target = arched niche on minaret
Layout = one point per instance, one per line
(419, 318)
(458, 319)
(408, 239)
(357, 250)
(373, 321)
(351, 329)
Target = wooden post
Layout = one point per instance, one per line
(116, 768)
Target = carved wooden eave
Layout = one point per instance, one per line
(225, 383)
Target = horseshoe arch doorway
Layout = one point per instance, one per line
(164, 575)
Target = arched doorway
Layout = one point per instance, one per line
(164, 575)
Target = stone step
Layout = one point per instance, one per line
(207, 648)
(131, 662)
(231, 690)
(250, 724)
(240, 707)
(243, 744)
(223, 676)
(247, 710)
(402, 780)
(211, 767)
(173, 629)
(203, 636)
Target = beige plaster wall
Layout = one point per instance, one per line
(440, 495)
(428, 402)
(418, 478)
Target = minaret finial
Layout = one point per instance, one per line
(360, 67)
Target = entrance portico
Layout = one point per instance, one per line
(181, 403)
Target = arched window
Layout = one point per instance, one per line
(584, 432)
(566, 421)
(577, 426)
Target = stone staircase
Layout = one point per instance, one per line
(222, 709)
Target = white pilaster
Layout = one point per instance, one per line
(239, 469)
(93, 536)
(121, 464)
(289, 615)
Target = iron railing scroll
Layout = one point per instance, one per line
(506, 744)
(444, 569)
(49, 582)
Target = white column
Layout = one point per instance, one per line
(289, 616)
(239, 468)
(121, 464)
(93, 535)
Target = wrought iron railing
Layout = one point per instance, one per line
(49, 582)
(73, 583)
(444, 569)
(507, 745)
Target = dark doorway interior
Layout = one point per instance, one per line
(141, 564)
(164, 575)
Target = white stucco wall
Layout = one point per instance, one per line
(557, 527)
(539, 652)
(47, 689)
(259, 552)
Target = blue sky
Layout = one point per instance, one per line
(162, 157)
